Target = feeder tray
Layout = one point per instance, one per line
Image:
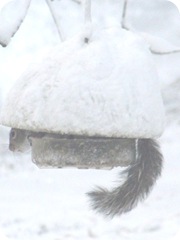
(84, 153)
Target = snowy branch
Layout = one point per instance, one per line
(87, 20)
(165, 53)
(77, 1)
(124, 13)
(87, 11)
(55, 20)
(11, 17)
(158, 46)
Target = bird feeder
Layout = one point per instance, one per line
(92, 97)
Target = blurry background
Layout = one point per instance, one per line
(51, 204)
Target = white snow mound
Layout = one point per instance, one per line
(107, 87)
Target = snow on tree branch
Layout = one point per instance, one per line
(87, 11)
(87, 20)
(124, 13)
(159, 45)
(165, 53)
(56, 21)
(77, 1)
(11, 17)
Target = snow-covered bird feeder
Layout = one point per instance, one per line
(91, 98)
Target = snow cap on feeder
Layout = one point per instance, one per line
(108, 87)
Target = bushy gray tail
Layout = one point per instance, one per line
(141, 176)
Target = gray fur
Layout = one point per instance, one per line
(18, 140)
(141, 176)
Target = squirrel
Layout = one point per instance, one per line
(18, 140)
(141, 175)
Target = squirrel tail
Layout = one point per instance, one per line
(141, 176)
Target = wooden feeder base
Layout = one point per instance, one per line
(83, 153)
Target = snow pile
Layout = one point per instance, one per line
(108, 87)
(2, 236)
(11, 17)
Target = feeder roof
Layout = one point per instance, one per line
(107, 87)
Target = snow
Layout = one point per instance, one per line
(90, 89)
(4, 2)
(51, 204)
(159, 45)
(177, 3)
(11, 17)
